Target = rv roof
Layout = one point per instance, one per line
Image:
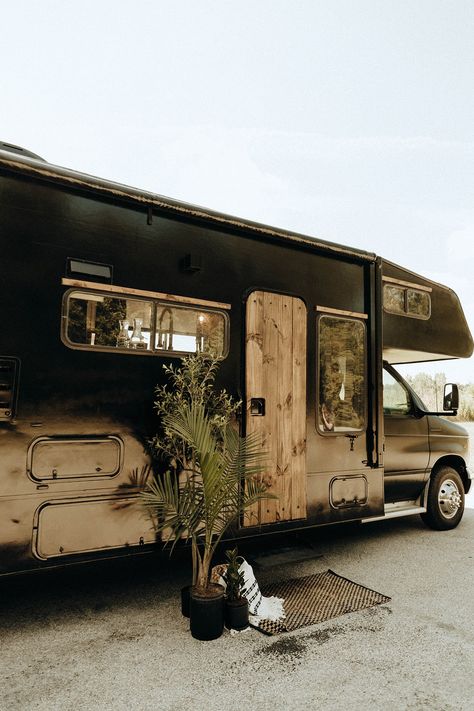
(64, 176)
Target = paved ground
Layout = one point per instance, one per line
(113, 637)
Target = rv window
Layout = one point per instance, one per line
(95, 321)
(396, 400)
(394, 299)
(342, 380)
(102, 322)
(183, 329)
(406, 302)
(418, 303)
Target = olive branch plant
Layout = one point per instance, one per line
(212, 475)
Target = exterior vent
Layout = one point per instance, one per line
(92, 271)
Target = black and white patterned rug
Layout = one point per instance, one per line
(316, 598)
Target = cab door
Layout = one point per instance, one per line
(406, 454)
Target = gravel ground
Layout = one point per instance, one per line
(112, 637)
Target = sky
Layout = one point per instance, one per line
(349, 121)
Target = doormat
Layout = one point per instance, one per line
(316, 598)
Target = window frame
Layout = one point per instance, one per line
(156, 300)
(343, 316)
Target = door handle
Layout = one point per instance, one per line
(352, 438)
(257, 406)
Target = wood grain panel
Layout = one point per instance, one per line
(269, 423)
(254, 375)
(128, 291)
(276, 371)
(285, 409)
(298, 444)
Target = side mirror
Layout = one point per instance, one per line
(451, 397)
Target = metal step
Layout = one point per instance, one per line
(403, 508)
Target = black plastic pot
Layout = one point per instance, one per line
(185, 600)
(207, 612)
(236, 614)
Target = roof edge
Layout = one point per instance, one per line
(65, 176)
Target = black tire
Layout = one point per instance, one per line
(445, 502)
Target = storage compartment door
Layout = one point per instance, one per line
(86, 526)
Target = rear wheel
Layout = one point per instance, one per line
(445, 503)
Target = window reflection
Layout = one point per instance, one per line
(97, 321)
(107, 321)
(394, 299)
(187, 330)
(396, 400)
(406, 302)
(418, 303)
(342, 398)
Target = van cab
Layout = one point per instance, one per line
(425, 456)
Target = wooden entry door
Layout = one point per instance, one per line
(276, 400)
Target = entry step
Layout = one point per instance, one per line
(401, 508)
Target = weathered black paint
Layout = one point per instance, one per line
(49, 216)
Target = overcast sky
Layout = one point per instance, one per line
(348, 120)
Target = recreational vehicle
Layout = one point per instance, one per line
(102, 284)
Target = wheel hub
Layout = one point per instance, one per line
(449, 498)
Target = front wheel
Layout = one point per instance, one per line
(445, 502)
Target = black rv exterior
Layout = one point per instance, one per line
(76, 403)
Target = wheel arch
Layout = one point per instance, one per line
(457, 463)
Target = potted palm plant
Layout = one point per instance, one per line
(208, 489)
(192, 381)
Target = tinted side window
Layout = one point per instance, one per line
(396, 400)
